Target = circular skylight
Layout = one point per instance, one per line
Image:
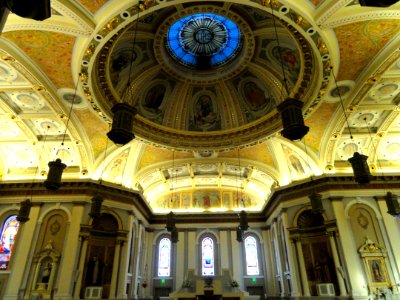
(204, 40)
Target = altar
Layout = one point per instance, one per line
(218, 289)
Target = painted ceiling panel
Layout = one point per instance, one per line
(360, 42)
(51, 51)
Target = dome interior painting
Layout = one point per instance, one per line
(206, 79)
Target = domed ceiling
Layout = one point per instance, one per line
(204, 76)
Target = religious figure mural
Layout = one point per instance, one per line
(290, 59)
(254, 96)
(154, 98)
(152, 101)
(205, 116)
(206, 199)
(256, 99)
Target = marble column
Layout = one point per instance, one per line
(303, 271)
(81, 266)
(352, 259)
(114, 277)
(124, 264)
(291, 258)
(339, 275)
(22, 249)
(392, 228)
(68, 261)
(270, 271)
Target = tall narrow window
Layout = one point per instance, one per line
(207, 256)
(164, 257)
(8, 233)
(251, 256)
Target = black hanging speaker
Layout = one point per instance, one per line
(392, 204)
(377, 3)
(121, 131)
(243, 222)
(292, 119)
(174, 235)
(95, 208)
(316, 203)
(360, 167)
(53, 181)
(170, 222)
(24, 210)
(239, 235)
(38, 9)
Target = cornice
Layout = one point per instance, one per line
(115, 193)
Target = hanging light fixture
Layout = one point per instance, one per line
(292, 119)
(362, 174)
(316, 203)
(243, 221)
(97, 200)
(239, 234)
(358, 162)
(56, 167)
(170, 222)
(377, 3)
(121, 131)
(392, 204)
(24, 210)
(290, 109)
(174, 235)
(95, 208)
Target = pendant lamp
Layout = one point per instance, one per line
(358, 162)
(360, 167)
(121, 131)
(290, 109)
(174, 235)
(53, 181)
(243, 222)
(170, 221)
(292, 119)
(239, 234)
(392, 204)
(377, 3)
(56, 167)
(95, 208)
(316, 203)
(24, 210)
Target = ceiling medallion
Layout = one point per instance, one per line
(204, 40)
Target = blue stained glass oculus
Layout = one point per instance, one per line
(204, 38)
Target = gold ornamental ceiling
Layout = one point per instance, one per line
(207, 134)
(227, 102)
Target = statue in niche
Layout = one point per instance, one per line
(154, 98)
(254, 95)
(46, 273)
(94, 272)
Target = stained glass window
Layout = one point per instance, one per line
(164, 257)
(204, 38)
(207, 256)
(8, 233)
(250, 244)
